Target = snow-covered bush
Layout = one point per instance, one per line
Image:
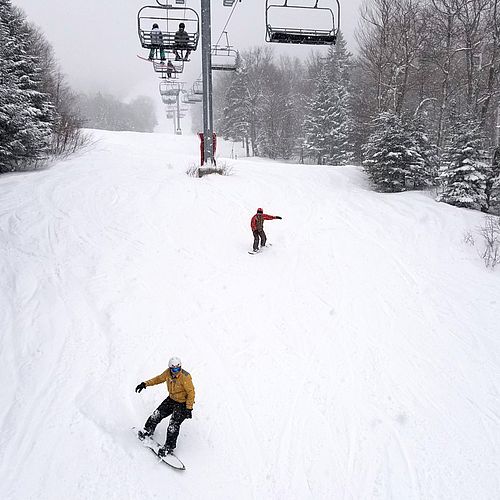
(221, 169)
(491, 240)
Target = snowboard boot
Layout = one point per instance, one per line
(143, 434)
(164, 450)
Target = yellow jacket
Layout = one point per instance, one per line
(180, 388)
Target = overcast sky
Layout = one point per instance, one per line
(96, 41)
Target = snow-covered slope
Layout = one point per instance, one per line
(356, 358)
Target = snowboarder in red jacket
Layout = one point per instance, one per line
(257, 225)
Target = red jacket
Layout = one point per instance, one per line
(257, 223)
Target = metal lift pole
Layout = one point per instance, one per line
(206, 56)
(178, 131)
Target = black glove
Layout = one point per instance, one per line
(188, 413)
(278, 217)
(140, 387)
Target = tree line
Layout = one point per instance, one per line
(106, 112)
(417, 106)
(37, 107)
(40, 115)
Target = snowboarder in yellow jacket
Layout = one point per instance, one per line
(179, 403)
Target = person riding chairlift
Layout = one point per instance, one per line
(181, 43)
(156, 43)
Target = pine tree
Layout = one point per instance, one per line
(26, 114)
(279, 124)
(427, 175)
(328, 121)
(341, 152)
(493, 184)
(318, 125)
(392, 157)
(463, 173)
(243, 102)
(233, 123)
(494, 206)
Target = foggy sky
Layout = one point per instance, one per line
(96, 41)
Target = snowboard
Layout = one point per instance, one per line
(144, 58)
(251, 252)
(170, 459)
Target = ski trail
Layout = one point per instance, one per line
(358, 358)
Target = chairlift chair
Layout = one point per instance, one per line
(198, 87)
(308, 22)
(162, 66)
(190, 98)
(224, 57)
(185, 99)
(168, 18)
(228, 3)
(193, 97)
(170, 89)
(169, 100)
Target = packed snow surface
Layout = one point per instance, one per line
(356, 358)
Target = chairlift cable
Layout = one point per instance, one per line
(222, 32)
(227, 22)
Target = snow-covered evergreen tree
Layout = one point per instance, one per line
(328, 121)
(493, 184)
(26, 114)
(392, 157)
(427, 175)
(233, 123)
(341, 146)
(280, 123)
(317, 123)
(463, 174)
(494, 206)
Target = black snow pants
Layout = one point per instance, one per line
(168, 407)
(256, 235)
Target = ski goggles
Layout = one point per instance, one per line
(175, 369)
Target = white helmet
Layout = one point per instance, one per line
(174, 362)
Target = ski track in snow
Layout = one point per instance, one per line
(356, 358)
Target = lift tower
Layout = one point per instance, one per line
(206, 68)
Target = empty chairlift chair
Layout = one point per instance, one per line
(309, 22)
(190, 98)
(224, 57)
(169, 100)
(170, 89)
(168, 18)
(193, 97)
(198, 87)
